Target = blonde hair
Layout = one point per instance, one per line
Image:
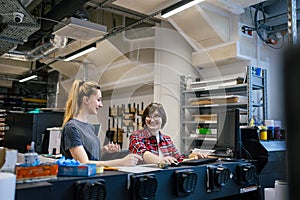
(78, 90)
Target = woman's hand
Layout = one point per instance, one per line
(169, 160)
(197, 156)
(131, 160)
(111, 147)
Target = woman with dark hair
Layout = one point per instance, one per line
(150, 142)
(78, 139)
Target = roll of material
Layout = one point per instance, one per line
(269, 193)
(99, 170)
(7, 186)
(269, 123)
(281, 190)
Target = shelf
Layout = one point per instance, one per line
(200, 137)
(199, 122)
(257, 105)
(15, 103)
(237, 87)
(216, 105)
(257, 82)
(221, 98)
(211, 97)
(32, 100)
(3, 126)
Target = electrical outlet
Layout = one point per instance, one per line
(246, 31)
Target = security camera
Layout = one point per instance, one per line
(18, 17)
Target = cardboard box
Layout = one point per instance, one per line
(44, 170)
(79, 170)
(8, 159)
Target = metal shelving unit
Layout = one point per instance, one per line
(254, 106)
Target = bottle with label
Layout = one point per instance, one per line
(270, 132)
(188, 82)
(198, 129)
(277, 134)
(31, 157)
(263, 133)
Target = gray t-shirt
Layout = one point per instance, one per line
(77, 133)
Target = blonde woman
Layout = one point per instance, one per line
(79, 140)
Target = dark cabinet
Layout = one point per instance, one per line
(27, 127)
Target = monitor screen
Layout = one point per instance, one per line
(228, 131)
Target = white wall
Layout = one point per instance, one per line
(275, 82)
(172, 59)
(269, 58)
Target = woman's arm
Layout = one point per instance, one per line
(78, 153)
(129, 160)
(169, 146)
(151, 158)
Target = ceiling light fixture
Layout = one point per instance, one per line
(28, 78)
(81, 52)
(178, 7)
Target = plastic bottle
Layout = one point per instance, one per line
(270, 132)
(31, 157)
(277, 134)
(281, 190)
(188, 82)
(251, 123)
(263, 133)
(198, 129)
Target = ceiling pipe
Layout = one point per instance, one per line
(124, 12)
(56, 43)
(130, 26)
(106, 2)
(38, 52)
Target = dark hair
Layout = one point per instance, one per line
(151, 108)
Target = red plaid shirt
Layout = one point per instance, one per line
(143, 140)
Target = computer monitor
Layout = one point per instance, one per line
(228, 132)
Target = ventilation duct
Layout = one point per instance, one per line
(37, 53)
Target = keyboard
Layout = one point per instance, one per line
(221, 154)
(201, 161)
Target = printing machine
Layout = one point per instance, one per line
(224, 179)
(218, 180)
(268, 156)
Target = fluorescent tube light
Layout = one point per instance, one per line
(178, 7)
(28, 78)
(81, 52)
